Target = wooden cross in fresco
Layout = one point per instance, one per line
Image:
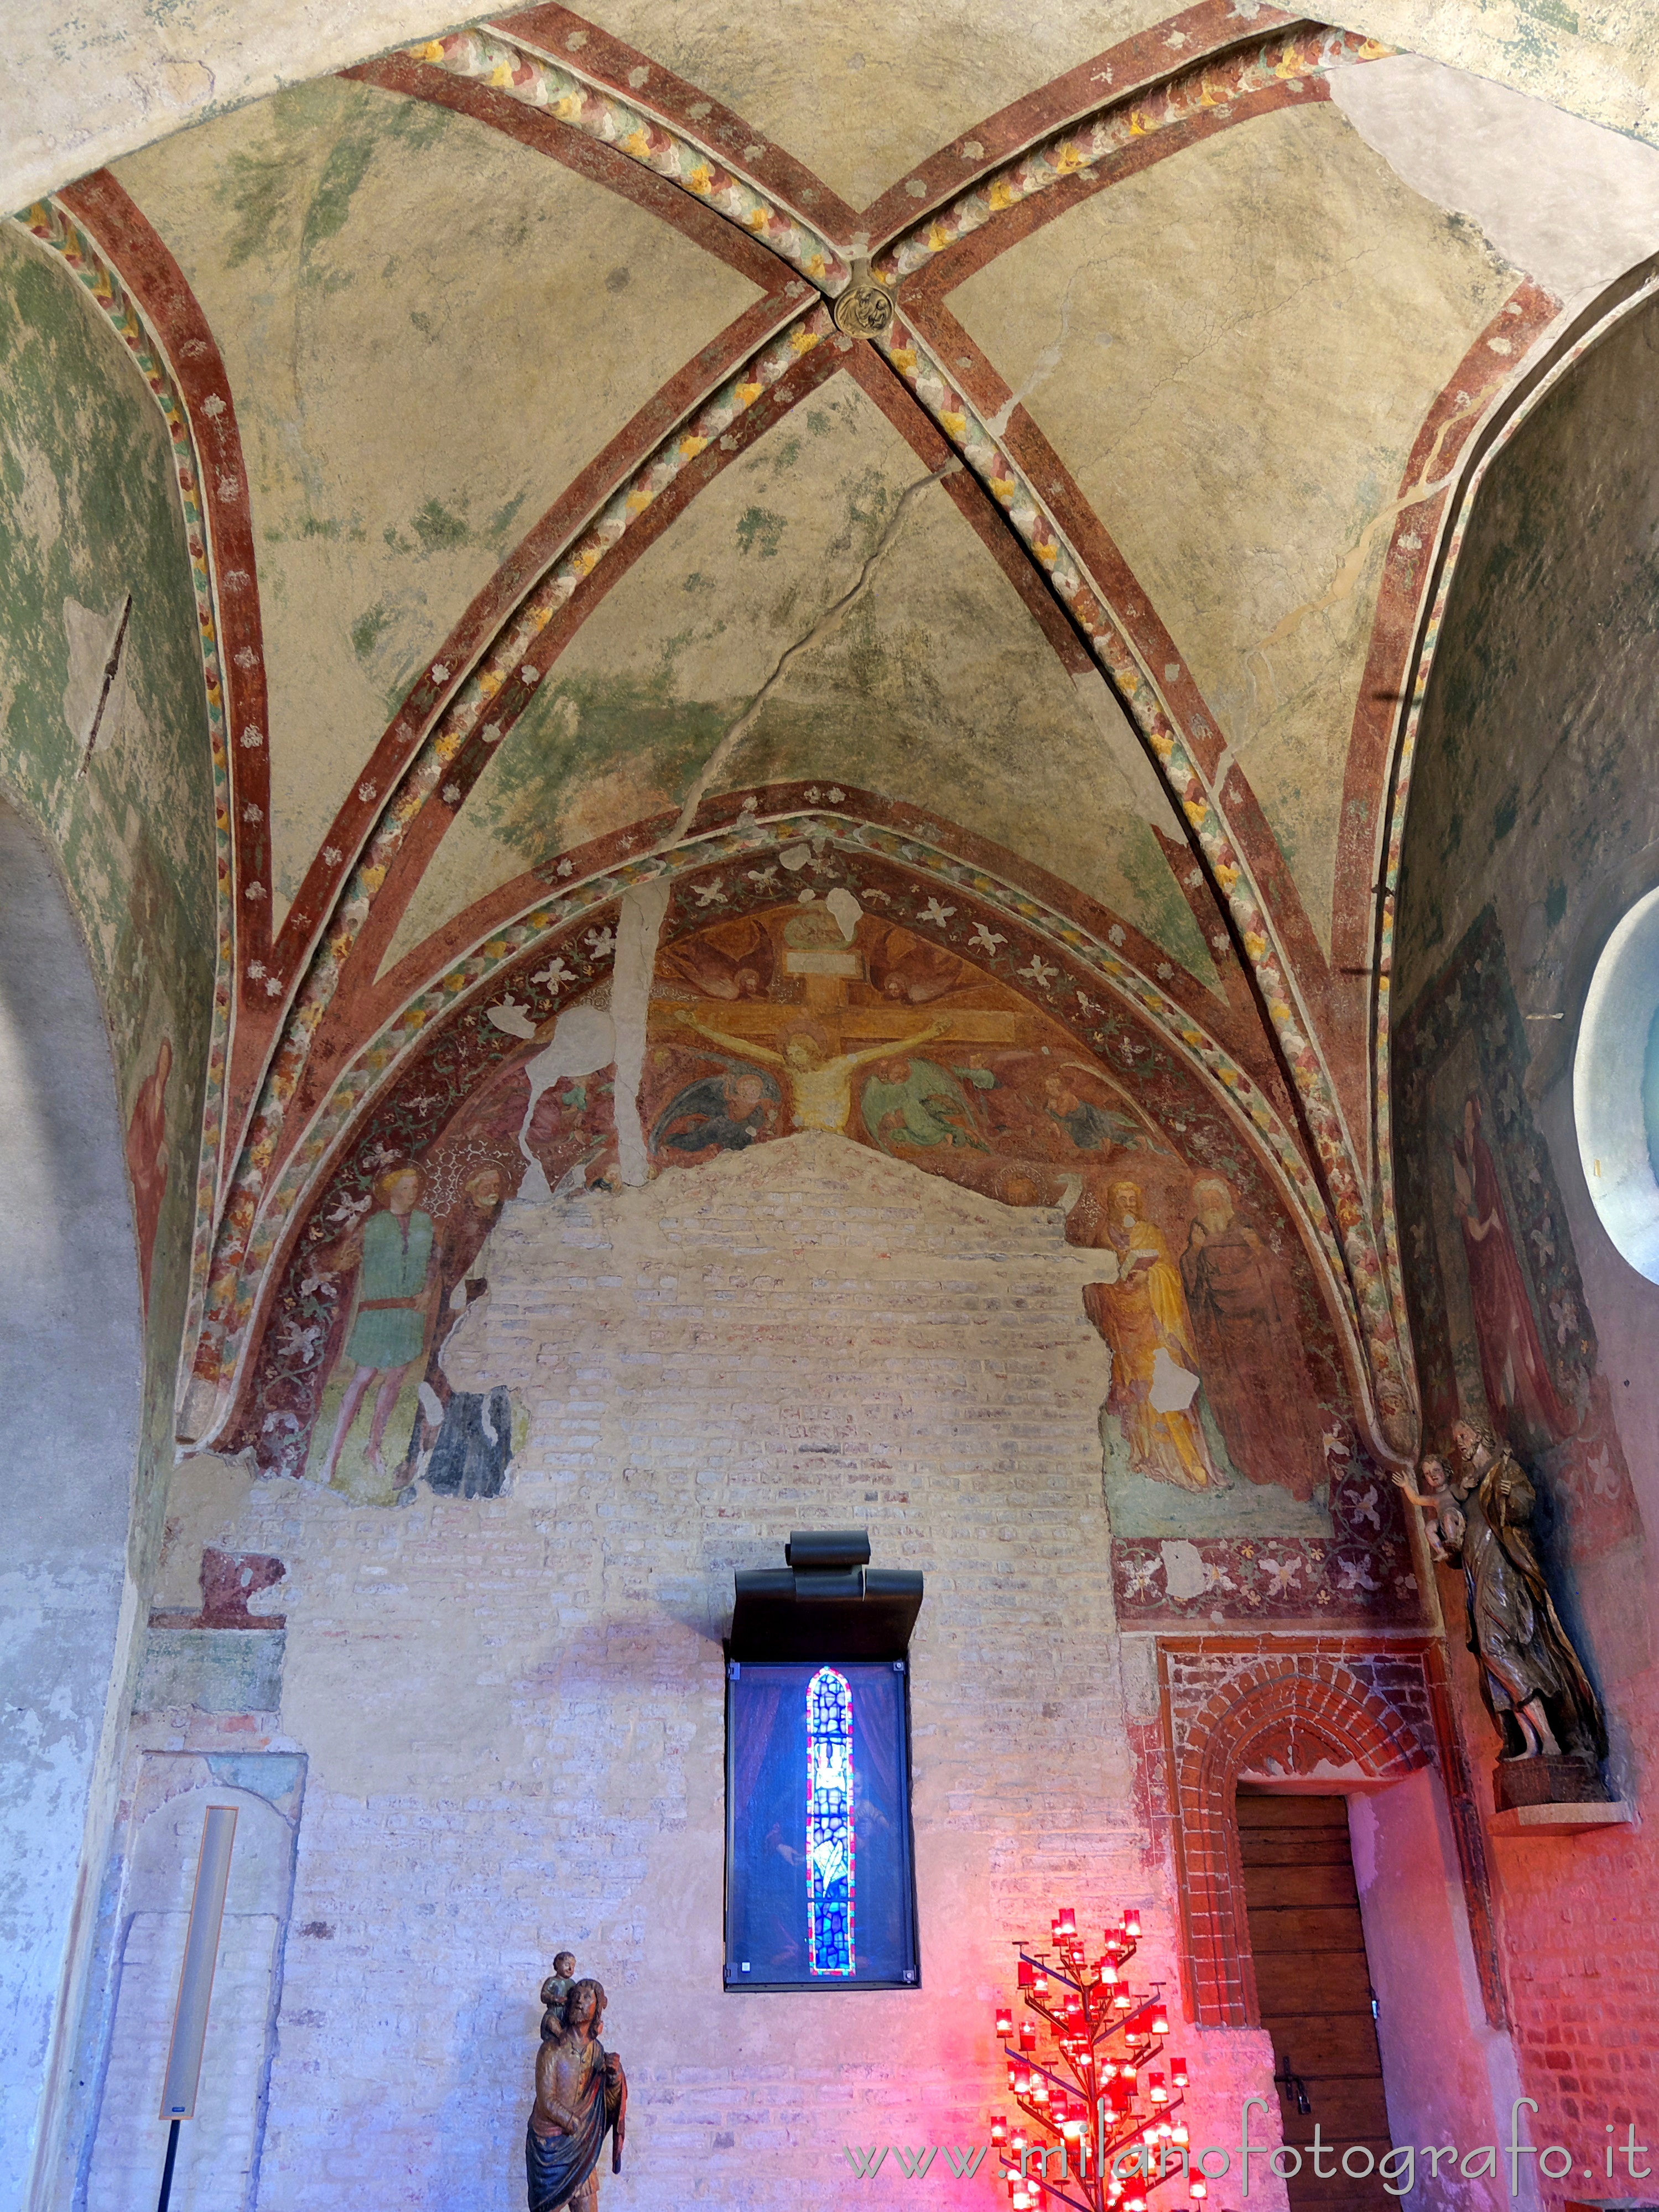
(785, 1035)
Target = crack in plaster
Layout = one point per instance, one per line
(618, 1035)
(1047, 361)
(828, 622)
(1345, 581)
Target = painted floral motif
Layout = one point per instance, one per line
(1196, 92)
(597, 112)
(981, 1129)
(229, 1294)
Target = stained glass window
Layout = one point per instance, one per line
(829, 1840)
(820, 1868)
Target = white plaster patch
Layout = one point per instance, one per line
(1362, 1835)
(1184, 1569)
(583, 1040)
(638, 927)
(1174, 1387)
(93, 641)
(1572, 204)
(38, 505)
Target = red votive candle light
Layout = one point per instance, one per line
(1132, 1924)
(1027, 2035)
(1066, 1924)
(1160, 2020)
(1027, 1973)
(1178, 2072)
(1004, 2020)
(1156, 2089)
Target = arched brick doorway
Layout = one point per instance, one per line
(1289, 1712)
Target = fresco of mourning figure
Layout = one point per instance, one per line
(1226, 1409)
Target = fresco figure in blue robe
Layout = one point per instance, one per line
(915, 1105)
(730, 1111)
(1091, 1127)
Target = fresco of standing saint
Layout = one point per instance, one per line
(1256, 1373)
(1140, 1310)
(1521, 1393)
(394, 1249)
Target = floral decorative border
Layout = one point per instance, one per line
(1362, 1573)
(1214, 83)
(559, 88)
(54, 228)
(499, 687)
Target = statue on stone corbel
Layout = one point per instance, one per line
(1534, 1686)
(581, 2095)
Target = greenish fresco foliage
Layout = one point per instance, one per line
(89, 512)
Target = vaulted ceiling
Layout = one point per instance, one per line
(544, 387)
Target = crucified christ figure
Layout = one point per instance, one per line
(821, 1084)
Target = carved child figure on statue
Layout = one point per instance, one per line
(555, 1989)
(1446, 1525)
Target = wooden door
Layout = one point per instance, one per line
(1314, 1989)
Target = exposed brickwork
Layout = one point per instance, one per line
(1298, 1706)
(513, 1707)
(1579, 1924)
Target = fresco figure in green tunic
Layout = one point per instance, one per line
(919, 1104)
(395, 1251)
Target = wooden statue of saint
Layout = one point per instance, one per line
(581, 2095)
(1532, 1679)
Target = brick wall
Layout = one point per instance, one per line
(513, 1708)
(1579, 1921)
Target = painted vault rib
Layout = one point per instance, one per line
(488, 702)
(594, 108)
(1212, 85)
(56, 228)
(586, 105)
(1208, 85)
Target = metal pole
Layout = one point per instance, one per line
(166, 2171)
(190, 2017)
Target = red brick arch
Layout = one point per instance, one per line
(1288, 1709)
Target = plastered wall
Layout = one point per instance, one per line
(1531, 828)
(105, 978)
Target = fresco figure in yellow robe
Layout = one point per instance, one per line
(1140, 1310)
